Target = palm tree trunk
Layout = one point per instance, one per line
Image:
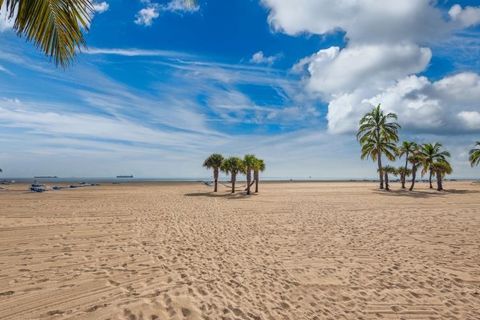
(249, 178)
(439, 181)
(403, 179)
(414, 175)
(404, 176)
(215, 177)
(387, 187)
(380, 170)
(234, 178)
(255, 176)
(430, 178)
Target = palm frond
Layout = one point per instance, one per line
(54, 26)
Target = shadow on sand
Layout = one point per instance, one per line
(237, 195)
(422, 193)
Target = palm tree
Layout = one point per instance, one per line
(406, 149)
(403, 173)
(475, 155)
(54, 26)
(386, 170)
(374, 149)
(248, 164)
(441, 168)
(432, 153)
(214, 161)
(377, 134)
(258, 166)
(415, 159)
(233, 166)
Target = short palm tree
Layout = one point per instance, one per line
(233, 166)
(214, 161)
(415, 159)
(248, 164)
(377, 134)
(432, 153)
(54, 26)
(403, 173)
(374, 149)
(475, 155)
(258, 167)
(406, 149)
(441, 168)
(386, 170)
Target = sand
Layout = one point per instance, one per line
(295, 251)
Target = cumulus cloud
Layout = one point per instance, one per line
(449, 105)
(333, 71)
(387, 44)
(146, 16)
(152, 10)
(260, 58)
(467, 17)
(101, 7)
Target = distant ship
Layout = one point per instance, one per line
(45, 177)
(125, 177)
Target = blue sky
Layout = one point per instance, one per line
(163, 84)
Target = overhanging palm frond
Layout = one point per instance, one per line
(54, 26)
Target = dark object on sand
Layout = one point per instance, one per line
(35, 187)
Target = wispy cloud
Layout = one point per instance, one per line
(133, 52)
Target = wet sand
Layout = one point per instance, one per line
(295, 251)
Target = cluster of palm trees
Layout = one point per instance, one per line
(234, 166)
(378, 136)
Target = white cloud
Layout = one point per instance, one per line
(471, 119)
(466, 17)
(152, 11)
(145, 16)
(3, 69)
(133, 52)
(386, 43)
(260, 58)
(6, 23)
(100, 7)
(181, 6)
(446, 106)
(333, 71)
(363, 21)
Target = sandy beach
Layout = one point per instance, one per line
(294, 251)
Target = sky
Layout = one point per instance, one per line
(164, 83)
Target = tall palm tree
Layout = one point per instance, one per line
(248, 164)
(386, 170)
(406, 149)
(432, 153)
(377, 133)
(214, 161)
(415, 159)
(441, 168)
(54, 26)
(475, 155)
(233, 166)
(258, 167)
